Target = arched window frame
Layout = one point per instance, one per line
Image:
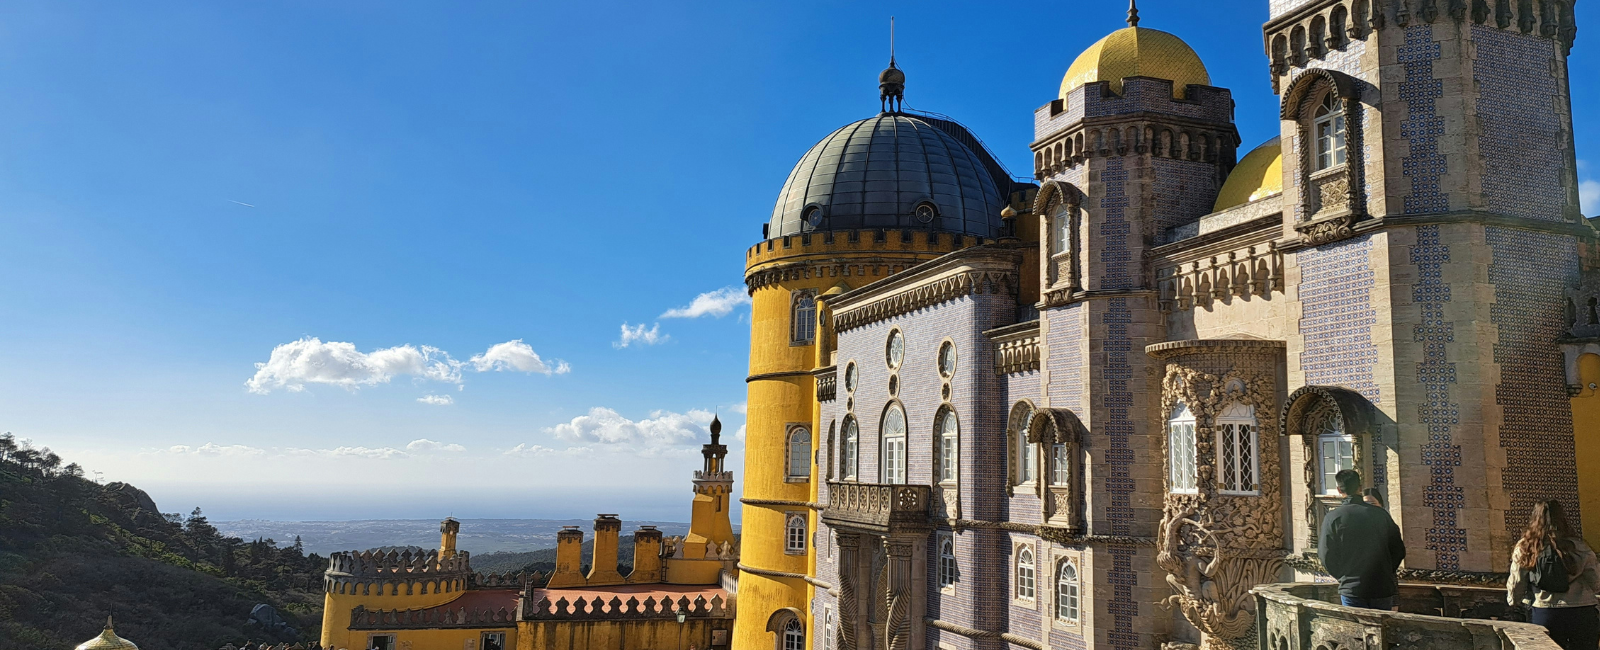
(1182, 451)
(795, 529)
(1330, 133)
(1332, 196)
(1068, 590)
(947, 434)
(1022, 454)
(803, 317)
(893, 445)
(1336, 450)
(794, 635)
(1238, 451)
(799, 456)
(1061, 204)
(850, 450)
(1025, 574)
(949, 573)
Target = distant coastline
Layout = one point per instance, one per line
(478, 536)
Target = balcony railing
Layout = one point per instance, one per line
(1431, 617)
(877, 507)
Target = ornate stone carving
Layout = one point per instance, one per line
(1215, 547)
(1250, 271)
(927, 295)
(1334, 193)
(1317, 233)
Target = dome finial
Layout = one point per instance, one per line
(1133, 13)
(891, 82)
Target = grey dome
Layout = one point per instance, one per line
(876, 172)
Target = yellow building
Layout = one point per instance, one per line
(671, 598)
(870, 200)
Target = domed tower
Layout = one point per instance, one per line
(108, 640)
(871, 199)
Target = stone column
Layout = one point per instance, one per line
(897, 629)
(849, 559)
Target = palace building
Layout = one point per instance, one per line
(672, 596)
(1103, 409)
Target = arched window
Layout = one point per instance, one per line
(947, 562)
(894, 446)
(1336, 451)
(1060, 228)
(1181, 452)
(794, 538)
(949, 433)
(1237, 448)
(794, 636)
(799, 453)
(1067, 592)
(850, 451)
(1025, 574)
(1024, 456)
(1060, 464)
(804, 323)
(1329, 129)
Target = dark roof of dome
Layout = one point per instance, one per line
(876, 172)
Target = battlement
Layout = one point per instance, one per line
(380, 564)
(598, 608)
(1139, 95)
(875, 253)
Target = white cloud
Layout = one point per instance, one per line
(210, 449)
(715, 303)
(1589, 197)
(424, 445)
(661, 429)
(740, 408)
(541, 450)
(516, 355)
(437, 400)
(740, 433)
(310, 361)
(640, 335)
(378, 453)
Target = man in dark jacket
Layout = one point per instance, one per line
(1361, 547)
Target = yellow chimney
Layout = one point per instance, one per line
(603, 568)
(569, 559)
(646, 556)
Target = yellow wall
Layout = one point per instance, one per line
(336, 613)
(1586, 434)
(776, 402)
(454, 639)
(660, 634)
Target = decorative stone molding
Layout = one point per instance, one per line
(1057, 534)
(1304, 615)
(1250, 271)
(599, 609)
(983, 634)
(1049, 427)
(983, 270)
(1216, 546)
(1169, 137)
(877, 508)
(1325, 231)
(827, 385)
(938, 291)
(1338, 191)
(1016, 348)
(1311, 410)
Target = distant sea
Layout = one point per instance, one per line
(478, 536)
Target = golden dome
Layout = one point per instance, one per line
(108, 640)
(1137, 52)
(1258, 175)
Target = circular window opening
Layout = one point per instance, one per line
(896, 350)
(925, 212)
(947, 359)
(850, 378)
(813, 216)
(894, 385)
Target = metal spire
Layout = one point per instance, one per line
(1133, 13)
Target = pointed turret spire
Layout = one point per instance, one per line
(891, 82)
(1133, 13)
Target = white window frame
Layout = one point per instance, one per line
(850, 455)
(1027, 458)
(1060, 229)
(803, 318)
(793, 636)
(1060, 464)
(1331, 148)
(1068, 592)
(892, 446)
(795, 530)
(799, 463)
(949, 437)
(1237, 430)
(1182, 452)
(949, 571)
(1325, 477)
(828, 627)
(1025, 574)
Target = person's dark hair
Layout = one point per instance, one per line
(1376, 494)
(1349, 482)
(1547, 526)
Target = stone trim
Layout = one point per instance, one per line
(982, 634)
(946, 289)
(778, 375)
(1016, 347)
(769, 573)
(781, 503)
(1056, 534)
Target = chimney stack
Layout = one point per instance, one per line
(603, 568)
(447, 537)
(646, 556)
(569, 559)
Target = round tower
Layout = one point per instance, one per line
(871, 199)
(378, 580)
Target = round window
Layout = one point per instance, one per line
(926, 212)
(813, 216)
(850, 378)
(947, 359)
(896, 350)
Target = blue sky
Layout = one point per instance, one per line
(452, 200)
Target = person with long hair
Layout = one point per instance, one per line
(1548, 557)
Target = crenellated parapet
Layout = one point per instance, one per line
(536, 606)
(859, 256)
(395, 573)
(1094, 122)
(441, 617)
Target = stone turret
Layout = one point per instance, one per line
(447, 537)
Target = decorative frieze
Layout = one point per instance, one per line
(1250, 271)
(827, 385)
(926, 295)
(1016, 348)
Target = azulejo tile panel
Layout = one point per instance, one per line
(1423, 125)
(1437, 375)
(1337, 316)
(1521, 138)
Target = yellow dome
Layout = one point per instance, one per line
(108, 640)
(1258, 175)
(1137, 52)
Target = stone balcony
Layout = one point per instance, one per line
(1307, 616)
(878, 508)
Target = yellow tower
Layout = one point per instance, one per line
(873, 198)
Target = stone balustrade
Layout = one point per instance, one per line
(1306, 616)
(875, 507)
